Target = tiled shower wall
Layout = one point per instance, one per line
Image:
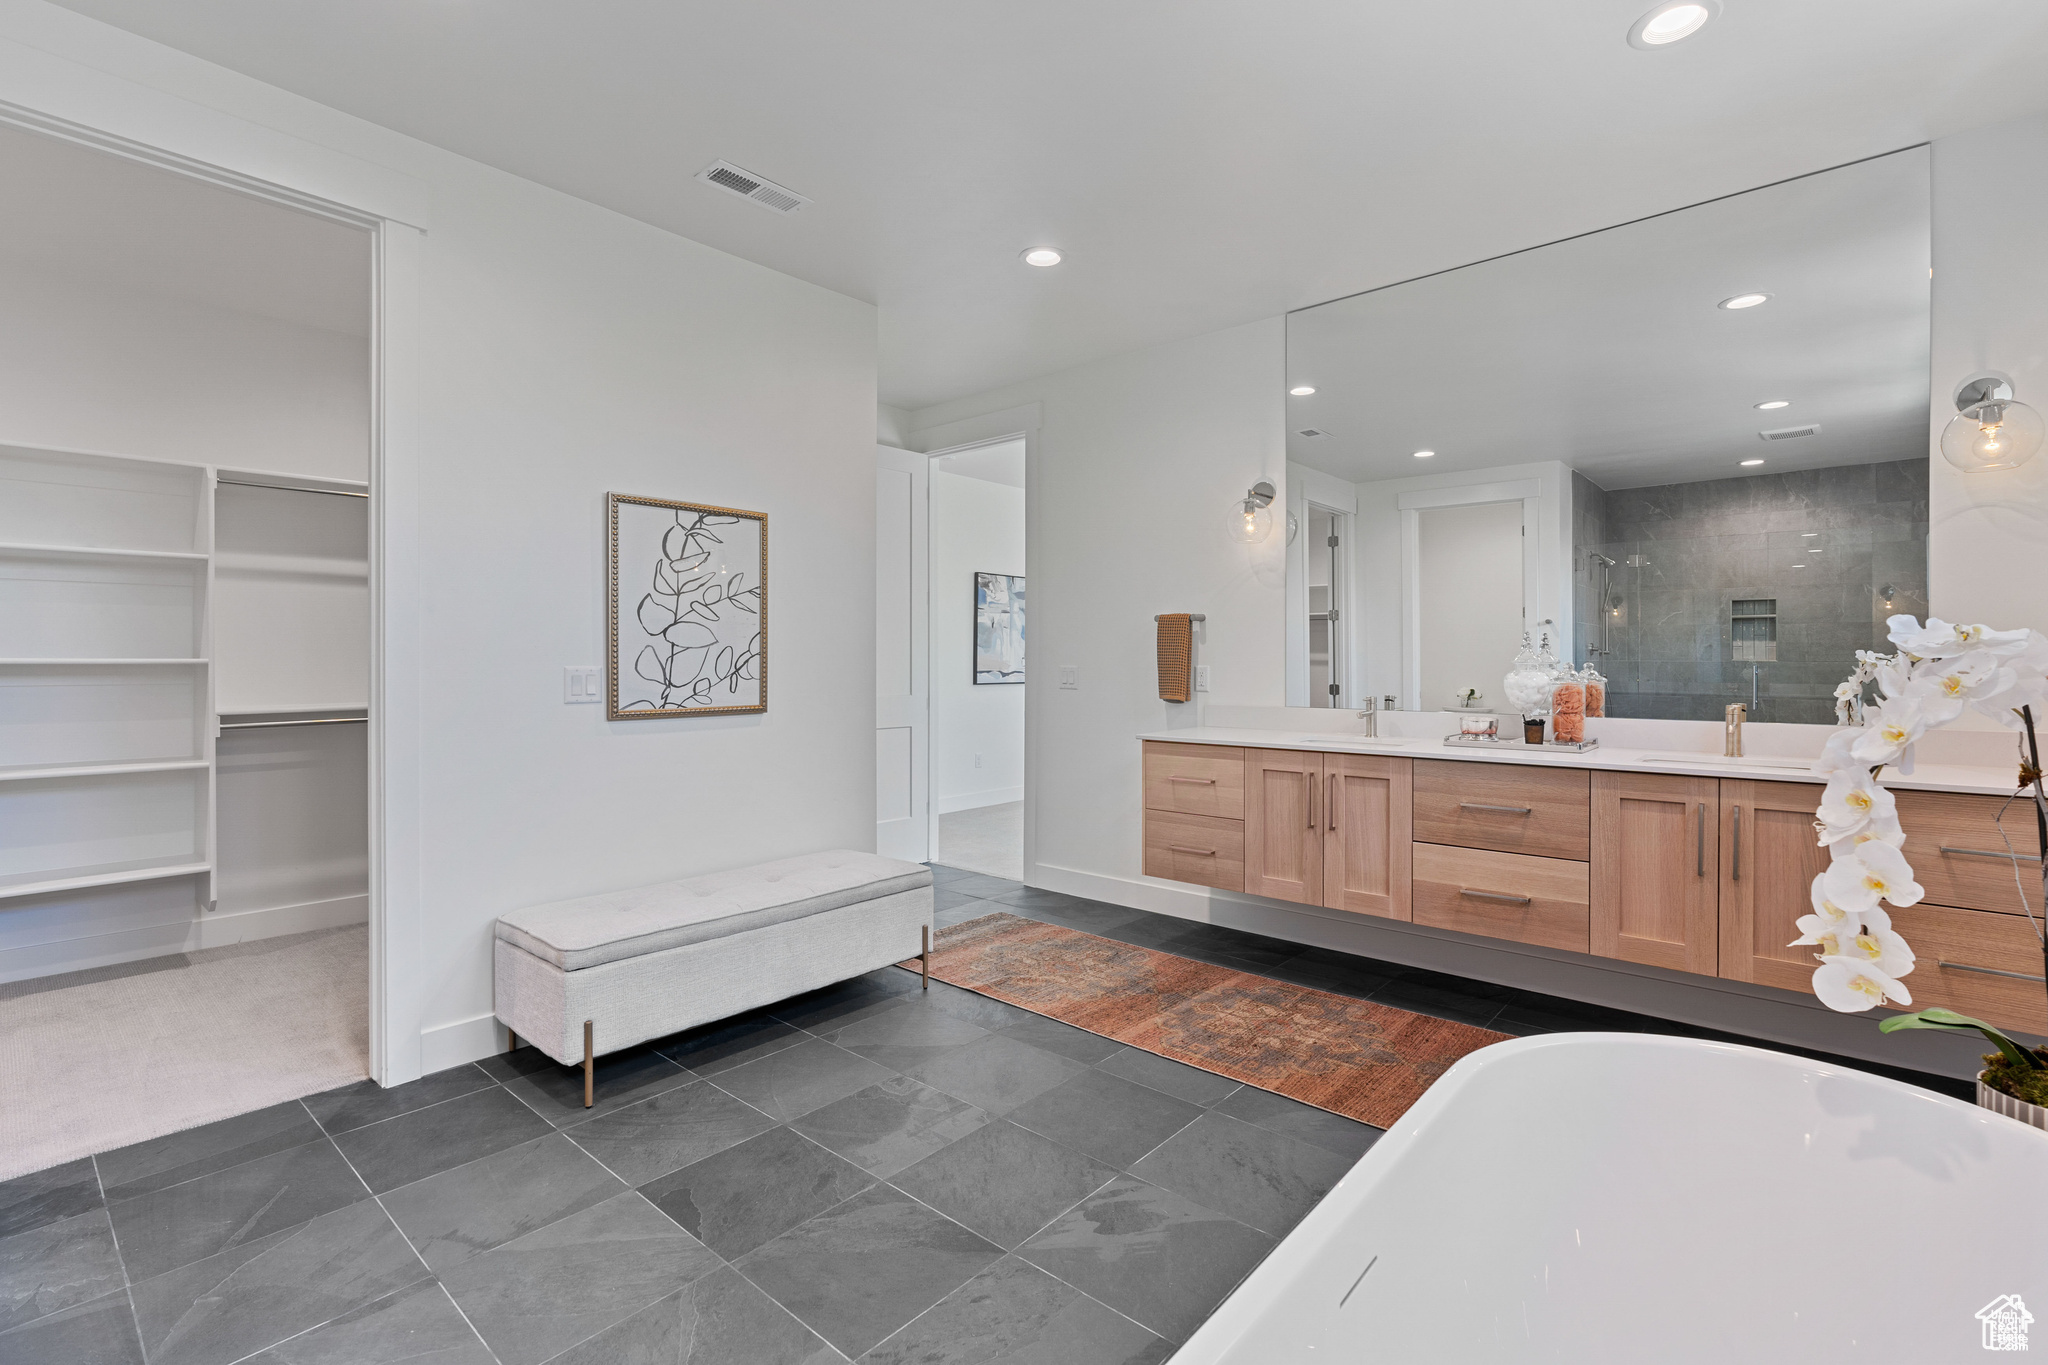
(1839, 550)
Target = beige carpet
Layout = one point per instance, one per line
(987, 839)
(94, 1060)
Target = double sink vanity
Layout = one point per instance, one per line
(1690, 862)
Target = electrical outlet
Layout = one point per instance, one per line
(582, 685)
(977, 760)
(1201, 677)
(1070, 677)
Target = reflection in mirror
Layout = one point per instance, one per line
(1715, 497)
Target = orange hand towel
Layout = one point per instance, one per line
(1176, 656)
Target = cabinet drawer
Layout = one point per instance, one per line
(1512, 809)
(1974, 938)
(1195, 848)
(1504, 895)
(1194, 779)
(1952, 840)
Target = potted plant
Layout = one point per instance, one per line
(2014, 1081)
(1939, 671)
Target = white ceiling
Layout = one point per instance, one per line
(1001, 463)
(1202, 164)
(1608, 352)
(92, 216)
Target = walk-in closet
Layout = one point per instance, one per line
(184, 645)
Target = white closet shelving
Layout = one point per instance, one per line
(126, 619)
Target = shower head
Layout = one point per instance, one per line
(1605, 562)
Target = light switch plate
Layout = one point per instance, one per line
(1201, 677)
(1070, 676)
(581, 684)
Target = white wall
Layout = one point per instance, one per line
(1988, 533)
(89, 366)
(976, 526)
(538, 352)
(1134, 466)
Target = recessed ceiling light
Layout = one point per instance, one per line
(1739, 301)
(1798, 566)
(1041, 255)
(1747, 463)
(1671, 21)
(1302, 390)
(1809, 533)
(1424, 454)
(1775, 404)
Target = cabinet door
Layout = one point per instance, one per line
(1769, 858)
(1656, 869)
(1283, 836)
(1368, 848)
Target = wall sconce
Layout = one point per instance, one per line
(1251, 520)
(1991, 428)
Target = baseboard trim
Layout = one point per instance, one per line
(1731, 1006)
(994, 796)
(214, 930)
(465, 1040)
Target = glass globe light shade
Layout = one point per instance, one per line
(1250, 523)
(1996, 435)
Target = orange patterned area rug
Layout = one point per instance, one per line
(1365, 1061)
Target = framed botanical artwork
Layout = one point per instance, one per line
(998, 628)
(688, 609)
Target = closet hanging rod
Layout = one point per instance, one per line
(289, 488)
(271, 724)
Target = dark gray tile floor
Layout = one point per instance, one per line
(867, 1173)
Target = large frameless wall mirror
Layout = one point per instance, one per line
(1695, 445)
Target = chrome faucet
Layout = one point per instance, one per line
(1371, 716)
(1731, 746)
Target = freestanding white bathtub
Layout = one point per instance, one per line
(1595, 1197)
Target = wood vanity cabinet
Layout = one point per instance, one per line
(1283, 825)
(1691, 874)
(1657, 869)
(1368, 853)
(1770, 856)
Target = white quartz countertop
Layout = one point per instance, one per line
(1614, 758)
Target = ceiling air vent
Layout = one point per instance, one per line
(1790, 433)
(747, 185)
(1313, 434)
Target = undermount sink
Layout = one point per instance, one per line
(1723, 761)
(1367, 741)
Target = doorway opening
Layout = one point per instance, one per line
(952, 605)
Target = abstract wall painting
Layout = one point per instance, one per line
(688, 609)
(998, 628)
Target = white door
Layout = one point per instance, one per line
(902, 653)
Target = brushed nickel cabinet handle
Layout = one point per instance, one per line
(1700, 854)
(1330, 801)
(1308, 782)
(1510, 810)
(1492, 896)
(1201, 781)
(1988, 853)
(1184, 848)
(1986, 971)
(1736, 858)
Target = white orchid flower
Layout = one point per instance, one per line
(1838, 754)
(2029, 685)
(1891, 673)
(1890, 737)
(1832, 917)
(1879, 948)
(1852, 986)
(1874, 871)
(1936, 640)
(2001, 643)
(1944, 687)
(1850, 802)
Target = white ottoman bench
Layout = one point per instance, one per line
(631, 965)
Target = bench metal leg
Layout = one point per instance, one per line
(511, 1040)
(589, 1063)
(927, 956)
